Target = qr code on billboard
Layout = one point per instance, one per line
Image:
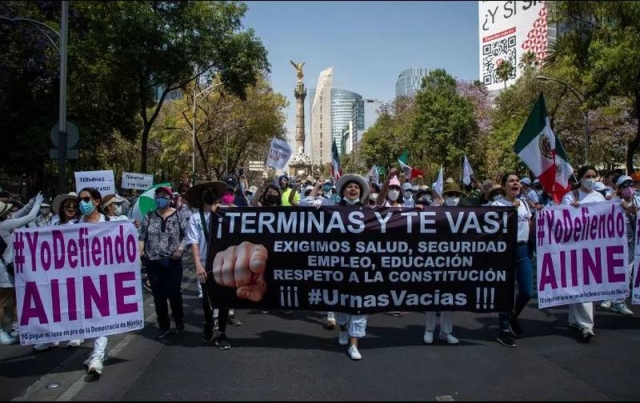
(493, 53)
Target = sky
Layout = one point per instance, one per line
(368, 44)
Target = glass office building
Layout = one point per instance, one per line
(346, 106)
(410, 81)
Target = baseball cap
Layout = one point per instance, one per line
(165, 189)
(406, 186)
(525, 181)
(622, 179)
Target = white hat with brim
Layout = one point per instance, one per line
(114, 198)
(194, 194)
(525, 181)
(360, 180)
(623, 179)
(4, 208)
(60, 199)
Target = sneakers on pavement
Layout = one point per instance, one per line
(75, 343)
(587, 334)
(162, 333)
(94, 365)
(514, 326)
(506, 339)
(233, 321)
(222, 342)
(354, 354)
(606, 304)
(343, 338)
(622, 309)
(6, 339)
(428, 337)
(331, 322)
(207, 334)
(45, 346)
(449, 338)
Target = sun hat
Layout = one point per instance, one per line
(194, 194)
(360, 180)
(60, 199)
(487, 194)
(451, 187)
(4, 208)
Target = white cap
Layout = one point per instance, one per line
(525, 181)
(415, 188)
(536, 181)
(623, 179)
(424, 187)
(406, 186)
(253, 189)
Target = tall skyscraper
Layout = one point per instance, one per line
(346, 106)
(410, 81)
(320, 116)
(508, 30)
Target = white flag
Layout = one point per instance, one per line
(279, 154)
(375, 175)
(467, 172)
(439, 185)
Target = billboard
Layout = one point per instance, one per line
(508, 29)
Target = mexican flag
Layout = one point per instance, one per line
(409, 172)
(336, 171)
(540, 149)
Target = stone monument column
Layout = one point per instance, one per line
(300, 162)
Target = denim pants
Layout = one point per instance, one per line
(524, 281)
(165, 276)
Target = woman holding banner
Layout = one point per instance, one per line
(89, 200)
(353, 190)
(65, 206)
(509, 326)
(581, 313)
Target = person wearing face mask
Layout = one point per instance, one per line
(494, 194)
(407, 195)
(451, 194)
(285, 190)
(375, 192)
(114, 205)
(581, 314)
(509, 326)
(8, 225)
(391, 190)
(44, 217)
(625, 195)
(353, 190)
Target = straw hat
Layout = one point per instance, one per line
(60, 199)
(493, 188)
(360, 180)
(4, 208)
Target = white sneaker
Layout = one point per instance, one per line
(606, 304)
(6, 339)
(621, 308)
(75, 343)
(94, 365)
(449, 338)
(331, 320)
(354, 353)
(428, 337)
(343, 338)
(45, 346)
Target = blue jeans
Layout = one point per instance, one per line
(524, 280)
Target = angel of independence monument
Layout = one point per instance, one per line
(300, 163)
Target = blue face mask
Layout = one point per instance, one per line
(86, 208)
(162, 203)
(326, 188)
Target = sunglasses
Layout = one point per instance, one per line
(70, 205)
(626, 184)
(85, 199)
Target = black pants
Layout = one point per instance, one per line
(165, 277)
(223, 314)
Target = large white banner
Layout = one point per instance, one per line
(279, 154)
(635, 287)
(101, 180)
(507, 30)
(582, 254)
(136, 181)
(77, 281)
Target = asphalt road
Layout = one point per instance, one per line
(278, 357)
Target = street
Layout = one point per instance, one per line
(278, 357)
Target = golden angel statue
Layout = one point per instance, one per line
(298, 67)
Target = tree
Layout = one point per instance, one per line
(528, 61)
(164, 45)
(444, 124)
(600, 49)
(504, 71)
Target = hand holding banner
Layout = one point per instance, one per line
(279, 154)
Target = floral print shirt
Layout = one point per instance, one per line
(162, 237)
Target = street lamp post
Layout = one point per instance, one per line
(204, 94)
(585, 114)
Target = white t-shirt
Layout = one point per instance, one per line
(111, 218)
(524, 214)
(583, 198)
(195, 234)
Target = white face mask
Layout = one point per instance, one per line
(451, 201)
(393, 195)
(407, 195)
(588, 183)
(373, 196)
(350, 201)
(497, 197)
(117, 209)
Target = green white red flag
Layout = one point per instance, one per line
(409, 172)
(540, 149)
